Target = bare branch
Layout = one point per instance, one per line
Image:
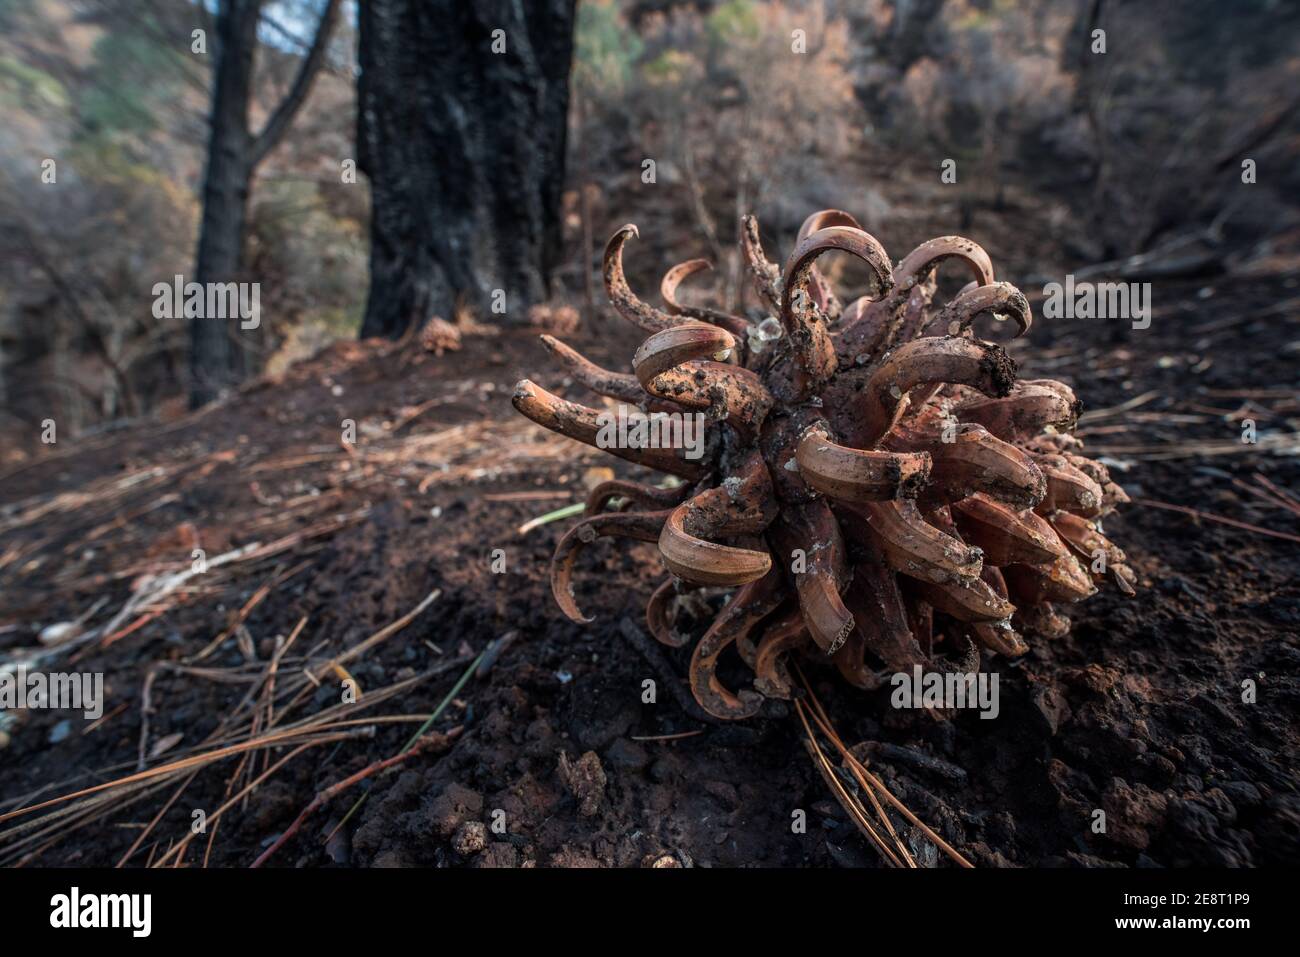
(283, 116)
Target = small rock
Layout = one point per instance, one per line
(60, 731)
(1133, 814)
(627, 754)
(470, 838)
(59, 632)
(1220, 805)
(723, 792)
(1051, 704)
(389, 859)
(568, 858)
(499, 854)
(1243, 794)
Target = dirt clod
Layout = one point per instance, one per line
(470, 838)
(453, 807)
(585, 779)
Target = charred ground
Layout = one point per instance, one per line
(1138, 712)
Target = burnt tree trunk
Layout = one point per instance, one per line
(464, 148)
(217, 359)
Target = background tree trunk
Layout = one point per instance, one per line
(217, 359)
(464, 149)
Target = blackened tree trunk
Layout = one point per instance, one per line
(217, 359)
(461, 131)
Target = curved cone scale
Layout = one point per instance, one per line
(727, 392)
(1111, 494)
(980, 365)
(707, 563)
(998, 636)
(1042, 620)
(616, 385)
(642, 496)
(657, 616)
(624, 300)
(1068, 488)
(1062, 580)
(807, 540)
(765, 275)
(818, 287)
(587, 426)
(966, 599)
(672, 347)
(1095, 551)
(1006, 535)
(746, 609)
(932, 252)
(1000, 300)
(883, 626)
(643, 526)
(668, 293)
(828, 619)
(855, 475)
(813, 349)
(969, 460)
(916, 548)
(1024, 414)
(771, 676)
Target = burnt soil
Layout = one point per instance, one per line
(1138, 712)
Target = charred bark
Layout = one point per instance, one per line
(464, 148)
(217, 359)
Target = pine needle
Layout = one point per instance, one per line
(575, 509)
(455, 690)
(868, 782)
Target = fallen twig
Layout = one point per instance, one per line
(381, 635)
(1222, 520)
(436, 739)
